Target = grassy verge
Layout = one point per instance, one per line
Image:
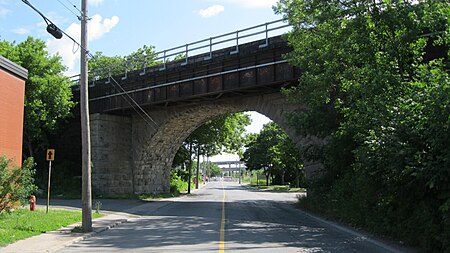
(148, 197)
(281, 188)
(23, 223)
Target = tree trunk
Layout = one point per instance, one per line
(198, 167)
(297, 179)
(282, 176)
(30, 148)
(190, 168)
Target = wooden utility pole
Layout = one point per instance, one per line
(85, 129)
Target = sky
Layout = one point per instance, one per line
(119, 27)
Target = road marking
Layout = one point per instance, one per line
(222, 225)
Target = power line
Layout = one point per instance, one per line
(65, 6)
(125, 95)
(74, 6)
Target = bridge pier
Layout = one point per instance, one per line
(111, 154)
(122, 161)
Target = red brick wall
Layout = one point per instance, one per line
(12, 92)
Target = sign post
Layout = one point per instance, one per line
(50, 155)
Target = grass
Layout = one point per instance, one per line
(149, 197)
(23, 223)
(280, 188)
(144, 197)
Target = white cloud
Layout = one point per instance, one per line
(254, 3)
(22, 30)
(211, 11)
(95, 2)
(69, 51)
(97, 27)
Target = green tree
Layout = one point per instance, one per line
(214, 169)
(221, 134)
(273, 152)
(101, 66)
(225, 133)
(48, 94)
(375, 80)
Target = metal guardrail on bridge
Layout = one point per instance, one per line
(205, 46)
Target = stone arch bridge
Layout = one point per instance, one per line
(133, 147)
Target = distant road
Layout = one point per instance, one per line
(225, 217)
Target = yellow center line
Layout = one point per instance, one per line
(222, 225)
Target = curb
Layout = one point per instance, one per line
(94, 232)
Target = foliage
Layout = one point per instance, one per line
(213, 170)
(48, 94)
(224, 133)
(23, 223)
(177, 182)
(375, 80)
(209, 168)
(102, 66)
(277, 188)
(16, 184)
(274, 152)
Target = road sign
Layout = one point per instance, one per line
(50, 155)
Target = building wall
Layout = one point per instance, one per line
(12, 93)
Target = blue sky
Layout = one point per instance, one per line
(119, 27)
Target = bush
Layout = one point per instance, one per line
(177, 184)
(16, 184)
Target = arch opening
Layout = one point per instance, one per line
(144, 154)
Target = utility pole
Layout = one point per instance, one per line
(85, 129)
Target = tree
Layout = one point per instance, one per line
(375, 80)
(48, 94)
(214, 169)
(274, 152)
(102, 66)
(224, 133)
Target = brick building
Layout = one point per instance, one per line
(12, 93)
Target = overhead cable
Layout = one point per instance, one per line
(65, 6)
(125, 95)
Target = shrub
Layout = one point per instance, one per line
(177, 184)
(16, 184)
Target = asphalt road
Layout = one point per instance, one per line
(225, 217)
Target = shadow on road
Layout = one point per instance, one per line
(258, 225)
